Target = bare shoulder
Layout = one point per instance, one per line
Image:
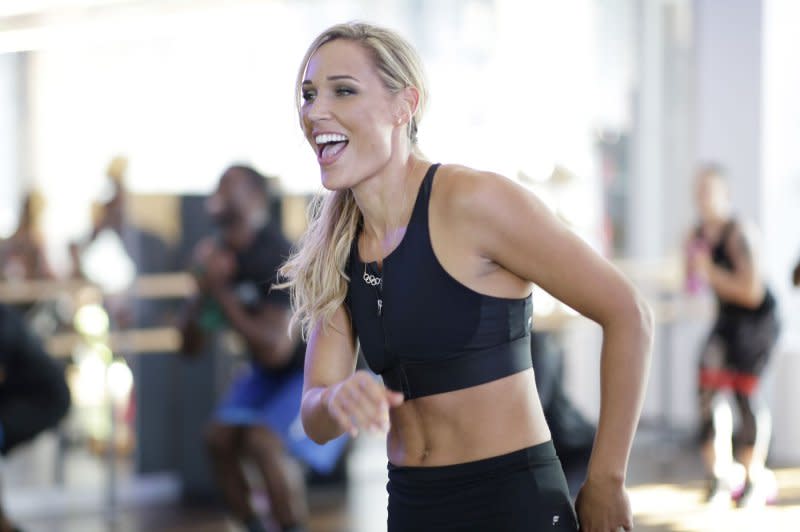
(743, 238)
(464, 192)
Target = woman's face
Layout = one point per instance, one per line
(349, 117)
(711, 196)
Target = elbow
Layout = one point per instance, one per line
(313, 433)
(274, 353)
(647, 322)
(270, 358)
(316, 438)
(749, 297)
(755, 296)
(639, 320)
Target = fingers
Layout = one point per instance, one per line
(394, 398)
(338, 414)
(600, 511)
(362, 403)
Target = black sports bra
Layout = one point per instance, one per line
(423, 331)
(721, 258)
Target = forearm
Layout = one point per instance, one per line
(736, 288)
(271, 346)
(192, 336)
(318, 423)
(627, 342)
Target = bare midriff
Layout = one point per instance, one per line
(466, 425)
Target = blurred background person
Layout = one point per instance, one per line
(796, 274)
(146, 251)
(113, 254)
(721, 254)
(33, 391)
(235, 270)
(22, 255)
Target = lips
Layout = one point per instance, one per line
(330, 147)
(331, 152)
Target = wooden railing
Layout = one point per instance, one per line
(670, 306)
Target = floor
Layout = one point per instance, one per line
(665, 489)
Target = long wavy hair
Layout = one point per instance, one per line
(316, 272)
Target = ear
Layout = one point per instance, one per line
(407, 105)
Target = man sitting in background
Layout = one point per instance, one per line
(235, 271)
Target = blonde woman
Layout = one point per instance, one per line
(430, 268)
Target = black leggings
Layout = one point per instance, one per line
(518, 492)
(734, 356)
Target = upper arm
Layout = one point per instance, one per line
(740, 245)
(514, 229)
(330, 352)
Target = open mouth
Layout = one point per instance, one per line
(330, 146)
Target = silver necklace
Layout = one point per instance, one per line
(375, 282)
(372, 280)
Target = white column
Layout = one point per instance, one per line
(780, 208)
(10, 145)
(728, 82)
(646, 175)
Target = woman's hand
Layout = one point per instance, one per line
(700, 261)
(603, 506)
(362, 403)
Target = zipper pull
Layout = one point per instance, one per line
(380, 307)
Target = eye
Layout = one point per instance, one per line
(308, 95)
(344, 91)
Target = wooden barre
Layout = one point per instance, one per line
(137, 341)
(155, 286)
(168, 339)
(181, 284)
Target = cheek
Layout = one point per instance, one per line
(305, 127)
(378, 136)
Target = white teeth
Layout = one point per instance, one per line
(329, 137)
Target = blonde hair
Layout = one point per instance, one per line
(316, 272)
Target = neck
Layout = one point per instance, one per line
(387, 198)
(717, 219)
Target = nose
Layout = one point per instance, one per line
(317, 109)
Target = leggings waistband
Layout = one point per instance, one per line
(540, 454)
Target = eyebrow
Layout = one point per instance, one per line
(333, 78)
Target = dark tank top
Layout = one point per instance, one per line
(720, 257)
(423, 331)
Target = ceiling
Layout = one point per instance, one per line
(27, 25)
(30, 8)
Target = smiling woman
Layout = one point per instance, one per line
(430, 268)
(341, 80)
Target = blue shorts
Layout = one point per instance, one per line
(258, 397)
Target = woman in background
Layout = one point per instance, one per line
(738, 348)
